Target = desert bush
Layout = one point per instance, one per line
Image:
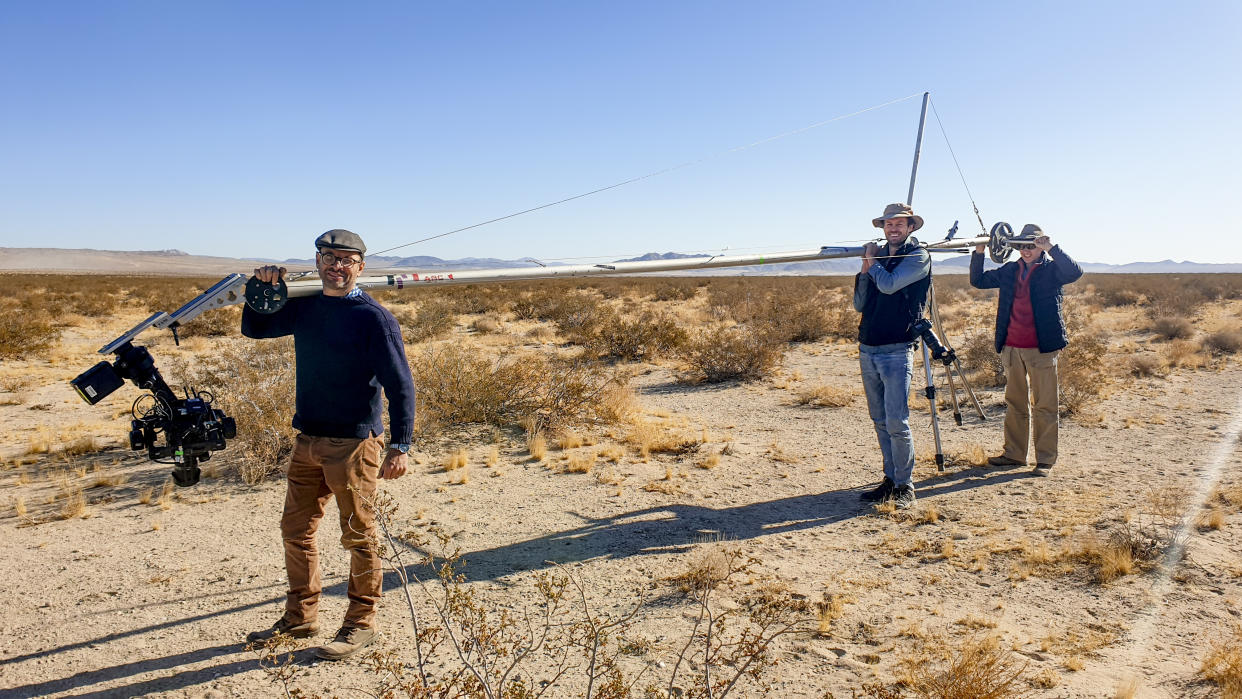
(675, 290)
(485, 325)
(1224, 341)
(1185, 354)
(1143, 365)
(1172, 328)
(1081, 369)
(652, 335)
(25, 333)
(220, 322)
(434, 318)
(726, 354)
(978, 354)
(460, 387)
(256, 386)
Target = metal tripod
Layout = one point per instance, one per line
(947, 358)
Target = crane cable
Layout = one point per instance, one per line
(655, 173)
(958, 166)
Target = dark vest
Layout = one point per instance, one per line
(886, 319)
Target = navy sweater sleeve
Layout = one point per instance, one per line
(387, 357)
(980, 279)
(1067, 270)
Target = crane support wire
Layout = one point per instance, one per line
(958, 166)
(655, 173)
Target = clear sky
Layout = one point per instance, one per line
(245, 129)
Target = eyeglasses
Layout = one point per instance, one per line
(1021, 246)
(329, 259)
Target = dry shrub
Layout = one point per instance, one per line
(726, 354)
(978, 353)
(255, 384)
(1224, 342)
(485, 325)
(25, 332)
(1223, 665)
(1081, 369)
(1144, 365)
(219, 322)
(457, 387)
(435, 317)
(652, 335)
(1172, 328)
(979, 669)
(825, 396)
(1185, 354)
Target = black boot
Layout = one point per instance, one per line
(880, 492)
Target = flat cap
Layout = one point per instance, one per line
(341, 239)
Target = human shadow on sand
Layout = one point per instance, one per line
(656, 530)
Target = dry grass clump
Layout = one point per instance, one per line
(737, 353)
(980, 668)
(255, 385)
(486, 325)
(537, 446)
(1224, 342)
(75, 502)
(825, 396)
(1172, 328)
(653, 437)
(1223, 665)
(977, 351)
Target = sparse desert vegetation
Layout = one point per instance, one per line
(662, 474)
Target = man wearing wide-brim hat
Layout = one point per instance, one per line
(1030, 334)
(891, 293)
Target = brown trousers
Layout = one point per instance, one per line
(322, 467)
(1027, 370)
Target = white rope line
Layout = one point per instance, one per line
(654, 173)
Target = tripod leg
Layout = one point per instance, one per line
(930, 392)
(957, 408)
(969, 391)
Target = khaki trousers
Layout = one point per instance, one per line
(1027, 370)
(320, 468)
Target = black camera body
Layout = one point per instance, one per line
(184, 429)
(923, 328)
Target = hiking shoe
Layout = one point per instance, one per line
(1042, 470)
(349, 640)
(1003, 460)
(903, 497)
(303, 630)
(880, 492)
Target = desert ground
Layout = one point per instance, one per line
(708, 458)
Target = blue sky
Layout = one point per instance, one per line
(245, 129)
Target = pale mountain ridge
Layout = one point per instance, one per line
(179, 263)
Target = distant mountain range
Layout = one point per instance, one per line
(58, 260)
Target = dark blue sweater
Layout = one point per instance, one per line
(347, 349)
(1049, 275)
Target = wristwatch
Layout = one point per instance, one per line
(403, 448)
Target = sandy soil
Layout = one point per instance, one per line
(139, 600)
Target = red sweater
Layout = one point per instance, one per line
(1022, 318)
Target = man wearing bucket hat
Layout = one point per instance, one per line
(1030, 333)
(347, 348)
(891, 293)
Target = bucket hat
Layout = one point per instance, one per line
(1028, 234)
(899, 211)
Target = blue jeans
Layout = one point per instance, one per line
(886, 374)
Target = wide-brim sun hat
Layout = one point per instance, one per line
(899, 211)
(1028, 234)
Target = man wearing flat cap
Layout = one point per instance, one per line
(348, 348)
(1030, 333)
(891, 293)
